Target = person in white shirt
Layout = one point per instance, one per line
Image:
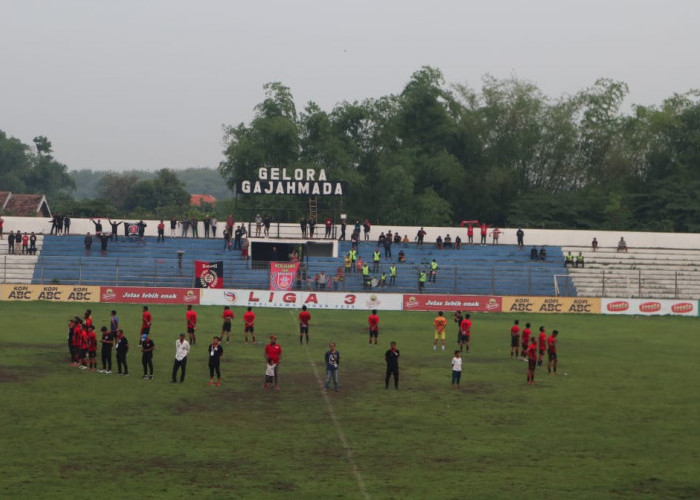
(456, 368)
(182, 349)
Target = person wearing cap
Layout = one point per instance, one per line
(182, 349)
(107, 342)
(215, 353)
(273, 351)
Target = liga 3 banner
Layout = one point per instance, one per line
(282, 275)
(209, 274)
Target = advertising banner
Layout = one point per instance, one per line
(145, 295)
(294, 300)
(52, 293)
(650, 307)
(552, 305)
(431, 302)
(283, 275)
(209, 274)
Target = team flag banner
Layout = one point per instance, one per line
(283, 275)
(209, 274)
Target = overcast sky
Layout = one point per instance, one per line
(147, 84)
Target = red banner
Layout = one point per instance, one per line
(143, 295)
(425, 302)
(283, 275)
(209, 274)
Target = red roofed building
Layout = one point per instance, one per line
(24, 205)
(198, 199)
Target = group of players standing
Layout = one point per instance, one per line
(532, 348)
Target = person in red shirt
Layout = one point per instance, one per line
(227, 315)
(191, 318)
(525, 339)
(76, 341)
(514, 339)
(466, 332)
(470, 234)
(329, 227)
(373, 321)
(531, 353)
(249, 324)
(91, 342)
(161, 232)
(87, 318)
(542, 338)
(304, 318)
(273, 352)
(25, 244)
(146, 320)
(552, 352)
(484, 229)
(83, 347)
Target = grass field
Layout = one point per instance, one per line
(620, 421)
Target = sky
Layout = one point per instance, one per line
(148, 84)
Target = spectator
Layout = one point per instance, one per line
(520, 234)
(438, 242)
(32, 244)
(569, 260)
(402, 256)
(419, 236)
(594, 244)
(66, 225)
(579, 260)
(533, 254)
(25, 244)
(458, 243)
(266, 225)
(494, 236)
(258, 225)
(367, 228)
(543, 254)
(622, 245)
(447, 243)
(88, 243)
(312, 227)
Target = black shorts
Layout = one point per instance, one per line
(146, 330)
(531, 364)
(190, 330)
(83, 353)
(303, 329)
(552, 356)
(92, 354)
(374, 333)
(463, 338)
(250, 329)
(514, 341)
(541, 352)
(523, 346)
(226, 327)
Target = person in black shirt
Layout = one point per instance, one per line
(32, 244)
(147, 347)
(107, 342)
(98, 225)
(104, 238)
(391, 356)
(122, 349)
(142, 228)
(215, 353)
(66, 225)
(88, 243)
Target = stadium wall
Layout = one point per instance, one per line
(347, 301)
(538, 237)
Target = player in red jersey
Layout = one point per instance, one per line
(531, 353)
(273, 352)
(249, 324)
(146, 320)
(75, 340)
(191, 318)
(552, 352)
(514, 339)
(466, 332)
(373, 321)
(304, 318)
(91, 342)
(87, 318)
(227, 315)
(542, 338)
(525, 339)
